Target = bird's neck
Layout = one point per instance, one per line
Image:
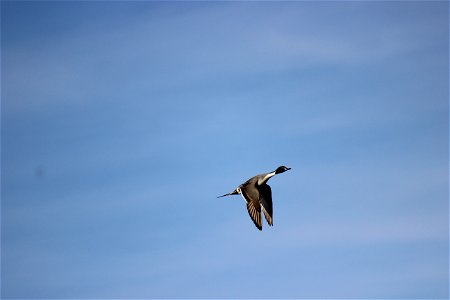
(266, 177)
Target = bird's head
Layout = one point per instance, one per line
(281, 169)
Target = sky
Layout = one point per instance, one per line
(121, 122)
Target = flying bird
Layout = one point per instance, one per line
(258, 196)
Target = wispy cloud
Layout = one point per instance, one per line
(70, 68)
(141, 117)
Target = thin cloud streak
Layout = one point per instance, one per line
(67, 70)
(143, 113)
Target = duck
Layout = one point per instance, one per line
(258, 196)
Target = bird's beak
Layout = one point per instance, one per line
(288, 168)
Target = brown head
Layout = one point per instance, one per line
(281, 169)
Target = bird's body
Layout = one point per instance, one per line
(258, 196)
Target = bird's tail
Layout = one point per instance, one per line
(235, 192)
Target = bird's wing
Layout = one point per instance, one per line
(251, 196)
(265, 198)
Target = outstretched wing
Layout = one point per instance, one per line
(265, 199)
(251, 196)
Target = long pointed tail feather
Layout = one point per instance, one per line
(229, 194)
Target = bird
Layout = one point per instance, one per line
(258, 196)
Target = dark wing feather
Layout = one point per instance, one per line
(255, 213)
(265, 198)
(251, 196)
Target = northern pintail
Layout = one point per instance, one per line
(258, 196)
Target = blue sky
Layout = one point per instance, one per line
(121, 123)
